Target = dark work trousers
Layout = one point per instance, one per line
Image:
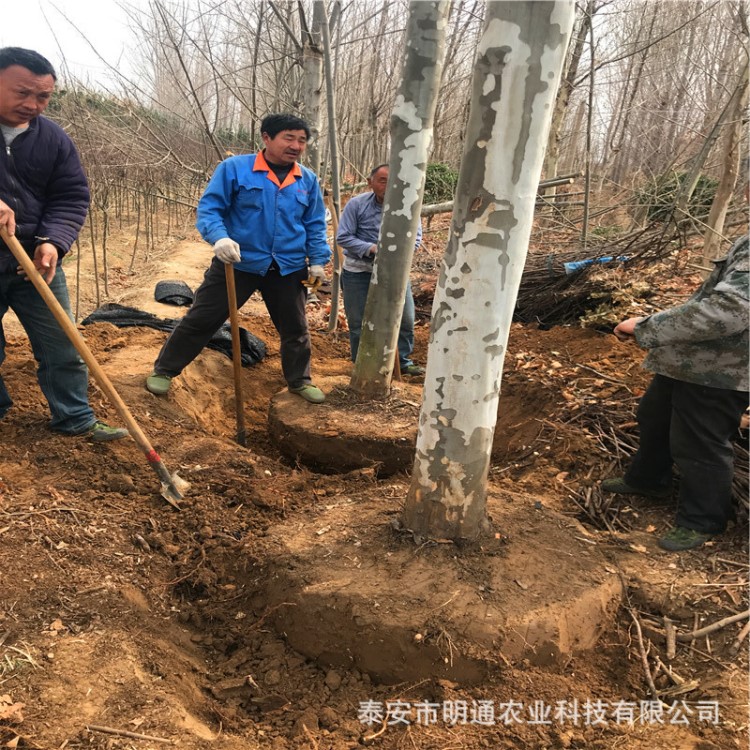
(285, 299)
(692, 426)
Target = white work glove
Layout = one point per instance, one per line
(317, 272)
(227, 250)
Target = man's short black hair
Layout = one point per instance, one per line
(274, 124)
(375, 170)
(26, 58)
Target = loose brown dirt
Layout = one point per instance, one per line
(118, 612)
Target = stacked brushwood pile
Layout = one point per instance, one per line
(549, 294)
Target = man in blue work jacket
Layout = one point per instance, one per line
(264, 214)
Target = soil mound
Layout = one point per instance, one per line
(118, 612)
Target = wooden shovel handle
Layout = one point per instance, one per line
(234, 321)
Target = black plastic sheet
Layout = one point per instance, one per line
(252, 349)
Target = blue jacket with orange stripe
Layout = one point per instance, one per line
(270, 222)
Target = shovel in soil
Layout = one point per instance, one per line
(172, 486)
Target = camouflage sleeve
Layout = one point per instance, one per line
(721, 311)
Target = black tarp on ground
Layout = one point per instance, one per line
(252, 349)
(174, 293)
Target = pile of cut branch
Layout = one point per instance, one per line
(548, 295)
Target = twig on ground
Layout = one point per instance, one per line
(695, 627)
(600, 374)
(126, 733)
(671, 633)
(683, 637)
(644, 656)
(673, 676)
(737, 643)
(370, 737)
(45, 512)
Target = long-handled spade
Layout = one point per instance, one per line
(172, 486)
(234, 321)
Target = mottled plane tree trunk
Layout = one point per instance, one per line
(515, 80)
(411, 140)
(312, 66)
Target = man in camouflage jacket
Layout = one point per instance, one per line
(693, 406)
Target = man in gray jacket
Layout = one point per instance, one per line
(693, 406)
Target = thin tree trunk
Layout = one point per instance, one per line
(552, 153)
(198, 106)
(589, 127)
(731, 167)
(312, 65)
(105, 260)
(411, 139)
(518, 67)
(621, 156)
(254, 78)
(682, 200)
(92, 232)
(333, 319)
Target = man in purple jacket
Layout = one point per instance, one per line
(44, 197)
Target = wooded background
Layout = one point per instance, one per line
(650, 110)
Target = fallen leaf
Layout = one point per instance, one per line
(10, 711)
(733, 595)
(638, 548)
(650, 529)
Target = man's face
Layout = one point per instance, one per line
(23, 95)
(378, 183)
(285, 147)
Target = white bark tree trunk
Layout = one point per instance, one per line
(333, 144)
(517, 72)
(312, 66)
(411, 140)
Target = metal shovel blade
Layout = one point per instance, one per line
(174, 489)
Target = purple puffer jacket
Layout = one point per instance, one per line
(42, 180)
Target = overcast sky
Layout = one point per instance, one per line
(41, 25)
